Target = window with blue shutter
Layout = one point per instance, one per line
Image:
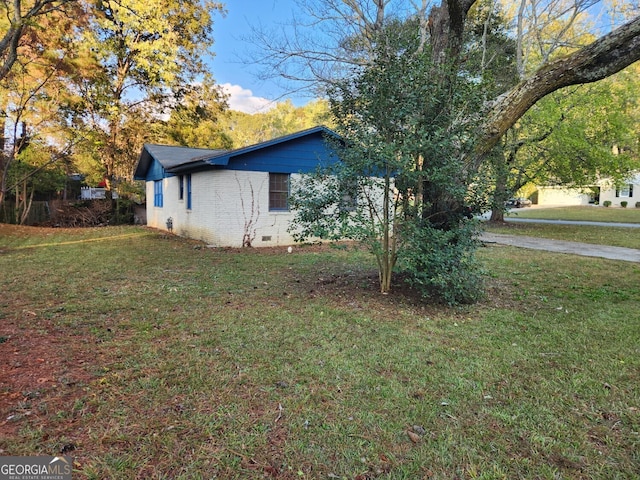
(188, 191)
(157, 194)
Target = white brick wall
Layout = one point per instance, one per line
(226, 206)
(156, 216)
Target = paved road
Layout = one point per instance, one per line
(571, 222)
(561, 246)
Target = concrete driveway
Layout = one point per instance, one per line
(571, 222)
(561, 246)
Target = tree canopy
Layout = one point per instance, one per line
(562, 57)
(96, 79)
(424, 101)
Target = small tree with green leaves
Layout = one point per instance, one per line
(36, 171)
(353, 199)
(401, 186)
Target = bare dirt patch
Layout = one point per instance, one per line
(43, 370)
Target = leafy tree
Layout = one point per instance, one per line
(136, 128)
(37, 169)
(195, 120)
(323, 54)
(581, 150)
(20, 22)
(284, 118)
(146, 55)
(571, 138)
(596, 61)
(399, 187)
(551, 143)
(437, 184)
(411, 129)
(32, 90)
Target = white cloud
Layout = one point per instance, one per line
(243, 100)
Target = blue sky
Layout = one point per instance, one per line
(247, 92)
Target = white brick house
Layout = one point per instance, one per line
(604, 190)
(229, 198)
(627, 192)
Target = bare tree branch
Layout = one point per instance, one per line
(322, 41)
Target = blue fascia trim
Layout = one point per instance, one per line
(225, 160)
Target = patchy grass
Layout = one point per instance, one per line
(614, 236)
(586, 213)
(154, 357)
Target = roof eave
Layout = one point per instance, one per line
(143, 164)
(190, 167)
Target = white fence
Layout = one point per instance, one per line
(94, 193)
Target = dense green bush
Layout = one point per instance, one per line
(402, 186)
(624, 204)
(441, 263)
(607, 203)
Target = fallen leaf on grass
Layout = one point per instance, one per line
(415, 438)
(271, 471)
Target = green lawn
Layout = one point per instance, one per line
(154, 357)
(600, 235)
(589, 213)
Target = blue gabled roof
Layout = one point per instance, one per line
(168, 157)
(252, 152)
(300, 151)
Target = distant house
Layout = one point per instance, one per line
(603, 191)
(561, 196)
(627, 192)
(230, 198)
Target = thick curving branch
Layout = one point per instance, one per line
(602, 58)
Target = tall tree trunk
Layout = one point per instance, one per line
(499, 197)
(446, 30)
(519, 39)
(25, 205)
(503, 159)
(4, 160)
(386, 267)
(501, 168)
(3, 177)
